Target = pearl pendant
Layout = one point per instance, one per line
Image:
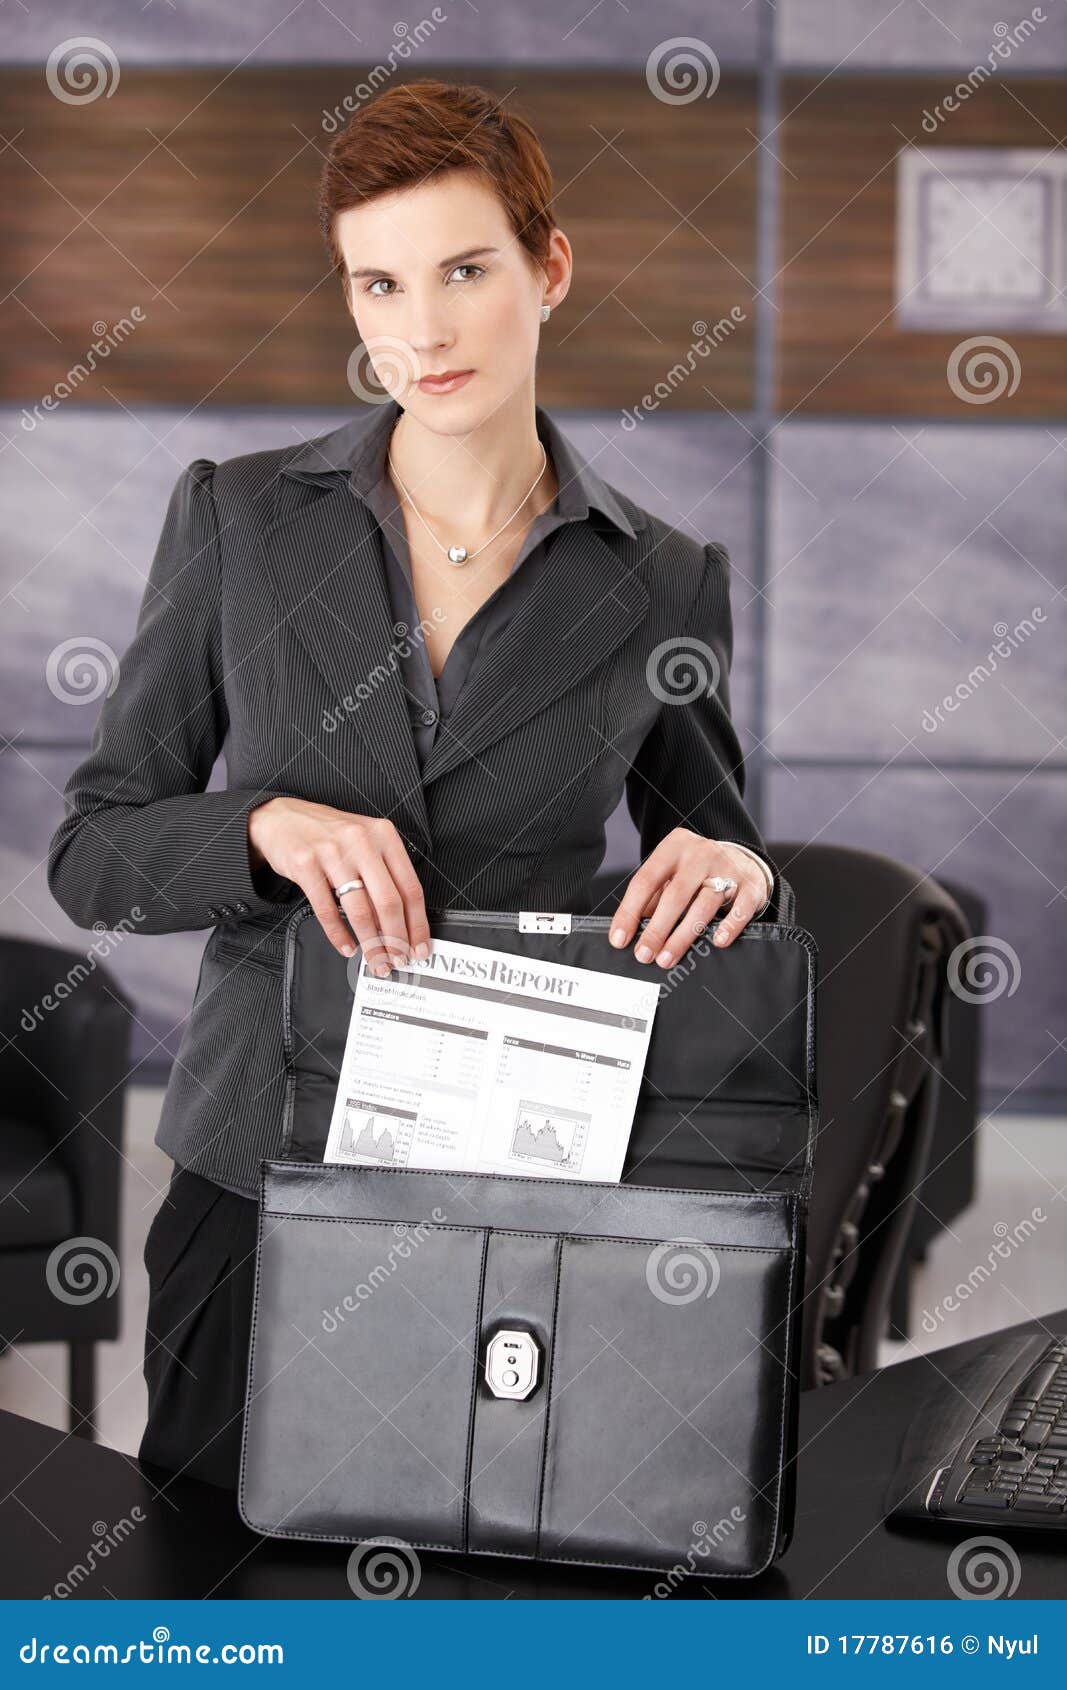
(457, 554)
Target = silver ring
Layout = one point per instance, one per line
(719, 883)
(349, 886)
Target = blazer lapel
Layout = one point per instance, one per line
(323, 559)
(585, 603)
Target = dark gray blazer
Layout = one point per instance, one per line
(266, 632)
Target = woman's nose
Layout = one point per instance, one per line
(431, 326)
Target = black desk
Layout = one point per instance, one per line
(58, 1491)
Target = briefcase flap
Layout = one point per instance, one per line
(728, 1094)
(569, 1370)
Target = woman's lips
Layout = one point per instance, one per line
(446, 383)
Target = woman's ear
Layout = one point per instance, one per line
(557, 269)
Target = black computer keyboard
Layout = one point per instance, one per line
(991, 1441)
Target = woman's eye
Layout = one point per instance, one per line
(381, 283)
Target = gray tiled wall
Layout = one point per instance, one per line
(496, 32)
(900, 558)
(1000, 832)
(843, 34)
(158, 975)
(951, 34)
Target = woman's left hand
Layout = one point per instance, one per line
(669, 888)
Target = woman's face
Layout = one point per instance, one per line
(439, 283)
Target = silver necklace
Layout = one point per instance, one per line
(460, 554)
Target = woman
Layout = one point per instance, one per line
(437, 648)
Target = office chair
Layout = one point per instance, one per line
(948, 1188)
(885, 933)
(63, 1070)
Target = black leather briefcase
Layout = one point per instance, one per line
(566, 1370)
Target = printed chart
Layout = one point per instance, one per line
(374, 1136)
(549, 1136)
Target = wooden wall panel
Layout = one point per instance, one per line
(839, 349)
(191, 196)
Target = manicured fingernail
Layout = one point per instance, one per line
(422, 950)
(722, 938)
(382, 971)
(618, 935)
(348, 950)
(643, 953)
(665, 957)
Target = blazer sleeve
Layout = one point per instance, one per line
(689, 770)
(140, 831)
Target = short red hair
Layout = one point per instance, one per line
(416, 130)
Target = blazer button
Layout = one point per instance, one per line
(428, 718)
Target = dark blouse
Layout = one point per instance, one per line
(430, 701)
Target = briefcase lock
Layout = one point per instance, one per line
(511, 1364)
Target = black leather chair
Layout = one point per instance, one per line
(948, 1187)
(885, 933)
(64, 1062)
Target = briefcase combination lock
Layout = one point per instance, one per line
(511, 1364)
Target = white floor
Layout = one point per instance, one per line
(1004, 1261)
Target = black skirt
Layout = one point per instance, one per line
(200, 1258)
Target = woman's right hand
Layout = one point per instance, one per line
(319, 848)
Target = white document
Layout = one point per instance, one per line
(481, 1060)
